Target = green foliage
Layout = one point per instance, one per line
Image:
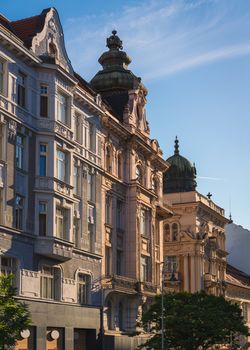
(14, 315)
(192, 321)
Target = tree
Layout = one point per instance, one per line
(14, 315)
(193, 321)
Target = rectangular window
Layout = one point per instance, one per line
(43, 160)
(61, 165)
(21, 90)
(91, 137)
(119, 262)
(19, 151)
(47, 282)
(44, 101)
(91, 187)
(144, 222)
(76, 231)
(107, 261)
(62, 108)
(170, 264)
(76, 179)
(119, 206)
(7, 265)
(19, 212)
(77, 129)
(83, 284)
(42, 218)
(144, 268)
(1, 77)
(61, 222)
(108, 209)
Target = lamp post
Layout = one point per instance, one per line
(162, 308)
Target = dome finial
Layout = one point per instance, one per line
(114, 42)
(176, 146)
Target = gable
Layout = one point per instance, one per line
(49, 42)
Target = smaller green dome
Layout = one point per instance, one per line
(180, 177)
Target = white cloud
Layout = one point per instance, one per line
(164, 37)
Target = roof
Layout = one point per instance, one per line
(26, 28)
(237, 276)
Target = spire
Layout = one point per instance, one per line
(114, 42)
(176, 146)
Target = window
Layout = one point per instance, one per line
(108, 209)
(138, 173)
(1, 77)
(91, 187)
(61, 165)
(19, 151)
(47, 282)
(107, 261)
(77, 129)
(76, 179)
(52, 50)
(61, 222)
(109, 314)
(144, 268)
(119, 262)
(44, 101)
(175, 232)
(91, 227)
(144, 222)
(76, 231)
(43, 160)
(21, 90)
(42, 218)
(91, 214)
(19, 212)
(7, 265)
(62, 108)
(120, 316)
(83, 283)
(119, 206)
(245, 312)
(91, 137)
(108, 159)
(166, 233)
(170, 264)
(119, 166)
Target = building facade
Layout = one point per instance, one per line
(194, 237)
(51, 175)
(81, 206)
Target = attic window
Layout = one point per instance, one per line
(52, 50)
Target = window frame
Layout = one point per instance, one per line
(22, 89)
(83, 288)
(19, 212)
(44, 96)
(61, 166)
(43, 155)
(43, 214)
(19, 151)
(61, 221)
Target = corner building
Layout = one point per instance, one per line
(81, 205)
(50, 180)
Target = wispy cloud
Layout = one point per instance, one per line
(164, 36)
(210, 178)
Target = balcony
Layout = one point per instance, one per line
(120, 283)
(54, 248)
(172, 279)
(45, 183)
(57, 127)
(146, 287)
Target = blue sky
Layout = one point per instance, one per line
(194, 58)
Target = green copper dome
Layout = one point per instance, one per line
(181, 175)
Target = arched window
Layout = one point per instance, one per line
(138, 173)
(119, 166)
(175, 232)
(167, 233)
(109, 314)
(52, 50)
(108, 159)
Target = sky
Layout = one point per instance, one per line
(194, 58)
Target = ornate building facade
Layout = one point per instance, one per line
(81, 206)
(194, 237)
